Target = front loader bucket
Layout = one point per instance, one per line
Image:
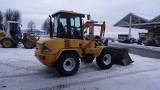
(120, 55)
(126, 59)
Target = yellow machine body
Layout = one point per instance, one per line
(59, 45)
(2, 34)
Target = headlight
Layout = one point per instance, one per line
(46, 49)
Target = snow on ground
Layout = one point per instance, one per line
(138, 46)
(20, 70)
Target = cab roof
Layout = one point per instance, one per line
(12, 22)
(69, 12)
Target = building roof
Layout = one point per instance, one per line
(139, 22)
(156, 19)
(145, 16)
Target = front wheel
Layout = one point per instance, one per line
(28, 44)
(104, 60)
(68, 64)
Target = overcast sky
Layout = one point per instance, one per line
(110, 11)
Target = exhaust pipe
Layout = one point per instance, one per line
(50, 24)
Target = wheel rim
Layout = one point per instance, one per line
(107, 59)
(7, 43)
(28, 44)
(69, 64)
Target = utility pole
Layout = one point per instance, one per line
(130, 26)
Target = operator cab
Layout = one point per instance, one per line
(67, 24)
(13, 29)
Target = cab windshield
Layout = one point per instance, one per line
(15, 27)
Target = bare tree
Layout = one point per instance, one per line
(31, 25)
(17, 16)
(1, 19)
(46, 26)
(12, 15)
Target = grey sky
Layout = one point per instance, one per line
(110, 11)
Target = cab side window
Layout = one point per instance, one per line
(75, 27)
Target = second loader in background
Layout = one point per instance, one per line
(11, 36)
(67, 45)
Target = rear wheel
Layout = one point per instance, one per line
(68, 64)
(28, 44)
(7, 43)
(104, 60)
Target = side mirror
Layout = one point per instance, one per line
(88, 17)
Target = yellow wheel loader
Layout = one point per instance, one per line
(11, 35)
(67, 45)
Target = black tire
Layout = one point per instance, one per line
(68, 64)
(28, 44)
(7, 43)
(104, 60)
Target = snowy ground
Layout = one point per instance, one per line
(20, 70)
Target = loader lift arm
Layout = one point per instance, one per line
(91, 24)
(26, 35)
(121, 55)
